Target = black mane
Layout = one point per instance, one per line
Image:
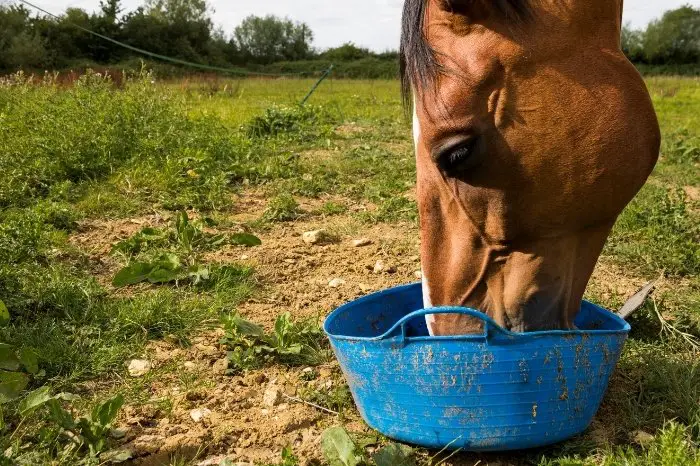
(418, 64)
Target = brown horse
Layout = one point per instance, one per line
(533, 132)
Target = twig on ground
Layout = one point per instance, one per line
(667, 327)
(299, 400)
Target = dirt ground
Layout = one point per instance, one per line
(192, 410)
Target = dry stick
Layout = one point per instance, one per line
(453, 454)
(444, 449)
(667, 327)
(299, 400)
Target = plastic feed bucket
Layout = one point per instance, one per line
(493, 391)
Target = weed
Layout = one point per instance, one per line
(187, 237)
(288, 458)
(333, 208)
(281, 208)
(339, 449)
(292, 343)
(304, 122)
(641, 236)
(336, 399)
(682, 148)
(87, 435)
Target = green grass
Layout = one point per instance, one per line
(92, 152)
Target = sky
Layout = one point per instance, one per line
(368, 23)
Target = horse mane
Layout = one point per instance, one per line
(418, 62)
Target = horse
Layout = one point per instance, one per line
(532, 132)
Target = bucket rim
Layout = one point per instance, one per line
(512, 336)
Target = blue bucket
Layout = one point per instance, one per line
(487, 392)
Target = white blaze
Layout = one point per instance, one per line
(430, 319)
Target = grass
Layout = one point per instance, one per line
(95, 153)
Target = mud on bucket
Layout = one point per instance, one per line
(494, 391)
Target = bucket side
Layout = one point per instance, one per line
(479, 397)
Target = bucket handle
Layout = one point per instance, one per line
(490, 325)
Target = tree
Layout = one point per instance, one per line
(632, 43)
(268, 39)
(111, 9)
(179, 11)
(20, 43)
(346, 52)
(675, 38)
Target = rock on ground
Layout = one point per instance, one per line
(200, 414)
(139, 367)
(313, 237)
(358, 243)
(336, 283)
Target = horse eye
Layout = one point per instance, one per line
(456, 157)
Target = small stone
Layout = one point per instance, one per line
(379, 266)
(272, 396)
(200, 414)
(414, 258)
(325, 372)
(189, 365)
(336, 283)
(290, 261)
(418, 274)
(642, 438)
(147, 445)
(220, 366)
(207, 350)
(118, 434)
(364, 287)
(245, 257)
(260, 378)
(313, 237)
(139, 367)
(358, 243)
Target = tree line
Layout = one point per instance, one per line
(183, 29)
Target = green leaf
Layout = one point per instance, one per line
(365, 440)
(105, 413)
(160, 275)
(29, 360)
(394, 454)
(12, 384)
(244, 327)
(338, 448)
(293, 350)
(8, 357)
(35, 400)
(215, 240)
(4, 313)
(151, 234)
(181, 221)
(185, 231)
(65, 396)
(60, 416)
(245, 239)
(116, 456)
(198, 273)
(133, 273)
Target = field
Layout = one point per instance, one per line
(129, 263)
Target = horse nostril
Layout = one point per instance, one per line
(456, 155)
